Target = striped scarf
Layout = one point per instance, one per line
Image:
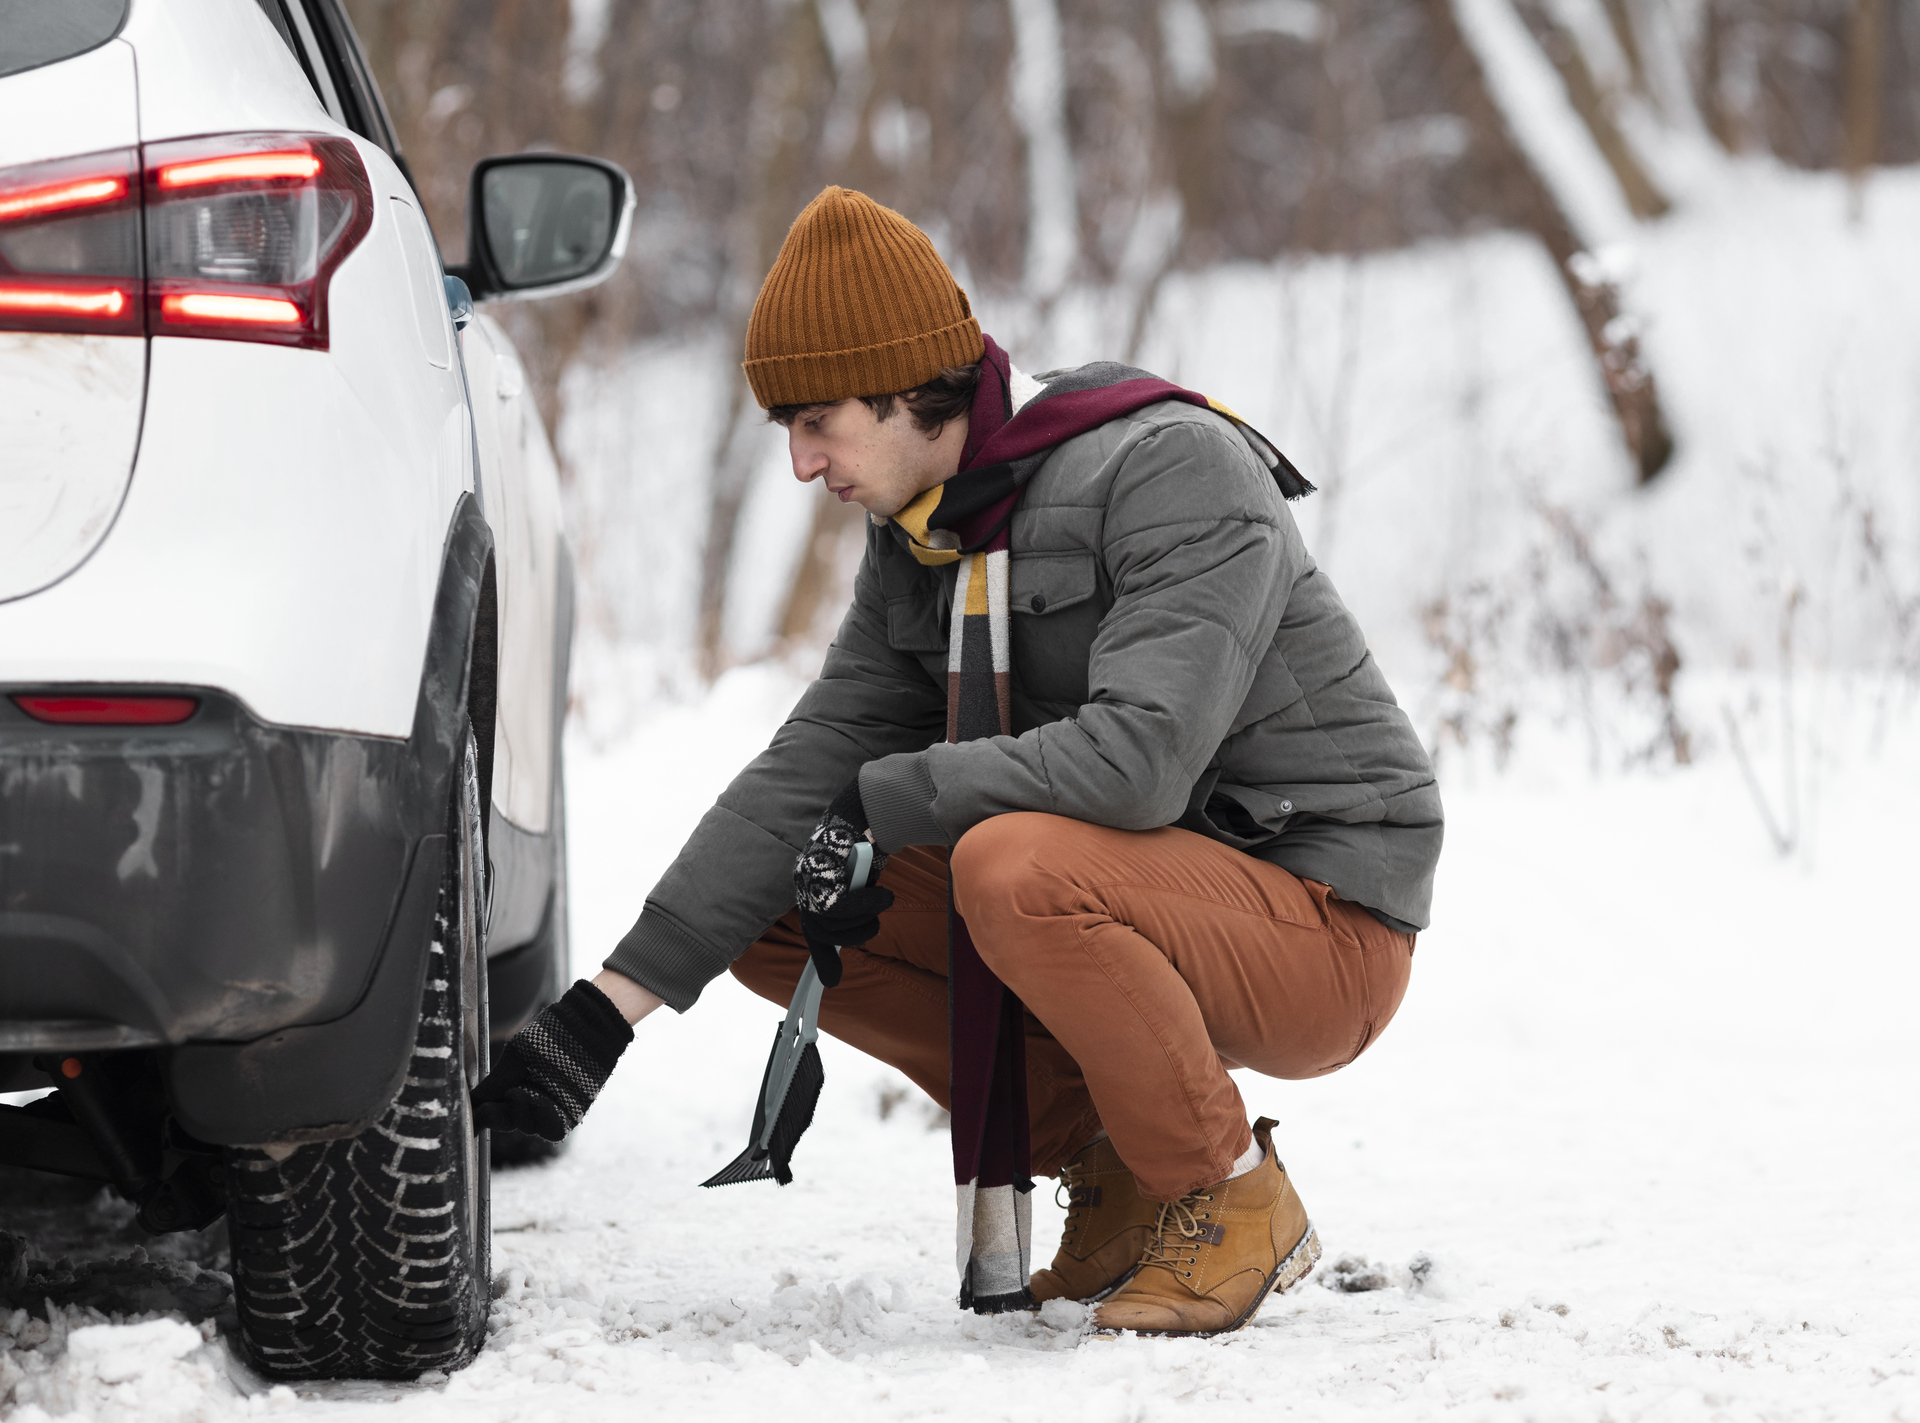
(968, 521)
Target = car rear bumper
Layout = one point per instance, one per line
(211, 881)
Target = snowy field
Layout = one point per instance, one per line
(1645, 1122)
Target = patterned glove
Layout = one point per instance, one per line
(550, 1071)
(832, 913)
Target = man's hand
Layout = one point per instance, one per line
(550, 1071)
(832, 912)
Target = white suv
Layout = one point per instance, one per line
(284, 617)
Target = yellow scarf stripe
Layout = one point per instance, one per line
(1262, 446)
(914, 518)
(977, 604)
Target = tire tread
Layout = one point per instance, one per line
(348, 1256)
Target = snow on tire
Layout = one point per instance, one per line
(368, 1257)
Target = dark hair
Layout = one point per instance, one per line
(947, 396)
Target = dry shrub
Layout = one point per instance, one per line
(1567, 635)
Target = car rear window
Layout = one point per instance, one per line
(37, 32)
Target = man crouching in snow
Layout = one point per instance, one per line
(1147, 807)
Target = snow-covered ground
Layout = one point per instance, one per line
(1646, 1119)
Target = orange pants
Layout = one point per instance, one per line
(1149, 963)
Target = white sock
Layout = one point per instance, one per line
(1248, 1160)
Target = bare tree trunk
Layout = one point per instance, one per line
(861, 68)
(1721, 121)
(787, 99)
(1038, 92)
(1861, 102)
(1595, 105)
(727, 495)
(1662, 59)
(1627, 35)
(1616, 348)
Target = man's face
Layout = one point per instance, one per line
(881, 465)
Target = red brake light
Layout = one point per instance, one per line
(214, 306)
(242, 236)
(54, 197)
(107, 711)
(65, 301)
(242, 167)
(70, 245)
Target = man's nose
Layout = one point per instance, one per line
(807, 464)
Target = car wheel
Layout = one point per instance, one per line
(369, 1256)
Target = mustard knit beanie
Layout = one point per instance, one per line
(857, 303)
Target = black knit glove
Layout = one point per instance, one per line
(832, 914)
(550, 1071)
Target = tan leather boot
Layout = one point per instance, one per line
(1216, 1254)
(1108, 1223)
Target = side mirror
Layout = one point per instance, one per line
(539, 224)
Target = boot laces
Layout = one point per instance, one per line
(1177, 1234)
(1075, 1203)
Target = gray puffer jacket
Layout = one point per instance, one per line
(1177, 660)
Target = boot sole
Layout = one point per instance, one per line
(1288, 1273)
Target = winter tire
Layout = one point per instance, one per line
(368, 1257)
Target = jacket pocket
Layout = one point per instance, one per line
(1243, 817)
(912, 593)
(1050, 582)
(914, 625)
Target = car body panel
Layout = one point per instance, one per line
(424, 283)
(71, 416)
(310, 472)
(68, 430)
(86, 104)
(217, 66)
(304, 471)
(521, 490)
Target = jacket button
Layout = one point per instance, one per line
(1286, 807)
(1039, 604)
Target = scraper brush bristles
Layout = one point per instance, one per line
(795, 1116)
(744, 1167)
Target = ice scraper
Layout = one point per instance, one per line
(794, 1076)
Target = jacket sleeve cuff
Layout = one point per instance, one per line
(897, 792)
(666, 960)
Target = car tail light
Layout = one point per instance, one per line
(70, 245)
(67, 710)
(242, 234)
